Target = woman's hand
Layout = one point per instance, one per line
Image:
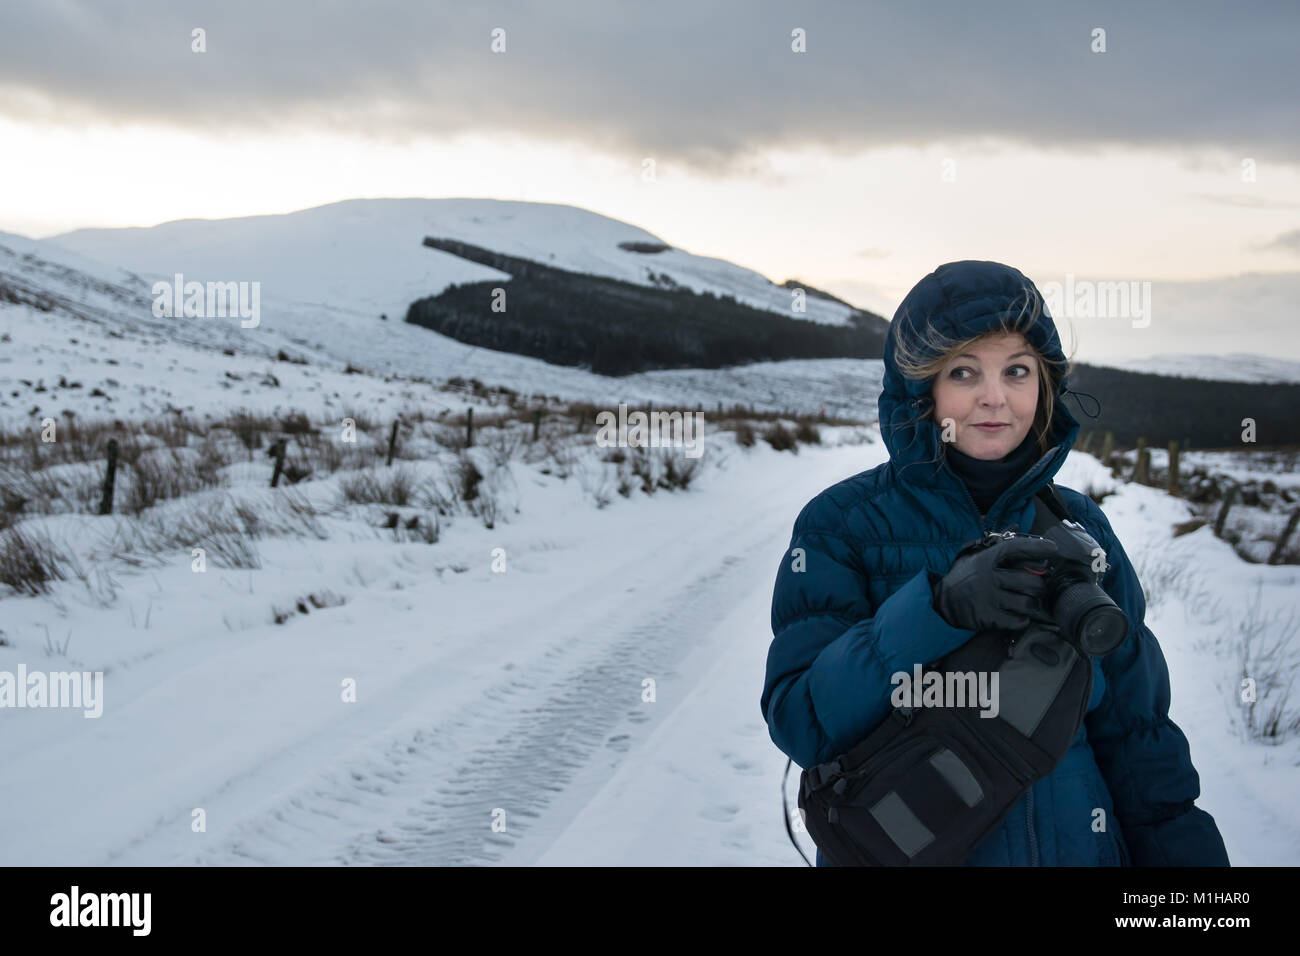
(985, 590)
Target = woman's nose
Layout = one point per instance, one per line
(992, 396)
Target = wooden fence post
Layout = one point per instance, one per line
(392, 444)
(276, 451)
(537, 422)
(1173, 484)
(106, 500)
(469, 428)
(1228, 499)
(1107, 447)
(1276, 556)
(1141, 470)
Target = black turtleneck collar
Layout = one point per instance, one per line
(988, 479)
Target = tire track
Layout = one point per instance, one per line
(577, 700)
(546, 745)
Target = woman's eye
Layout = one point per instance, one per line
(1019, 371)
(957, 373)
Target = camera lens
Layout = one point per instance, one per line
(1089, 619)
(1103, 630)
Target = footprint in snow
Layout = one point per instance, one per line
(721, 813)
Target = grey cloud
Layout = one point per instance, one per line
(1289, 241)
(705, 84)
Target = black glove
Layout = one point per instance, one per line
(980, 592)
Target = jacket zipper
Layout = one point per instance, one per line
(1015, 488)
(969, 497)
(1029, 794)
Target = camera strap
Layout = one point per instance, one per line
(1056, 509)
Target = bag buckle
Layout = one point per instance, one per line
(824, 771)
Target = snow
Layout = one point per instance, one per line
(1248, 787)
(479, 692)
(521, 691)
(365, 256)
(1231, 367)
(145, 365)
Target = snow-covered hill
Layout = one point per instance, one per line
(365, 255)
(78, 309)
(1234, 367)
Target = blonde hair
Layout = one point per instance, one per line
(912, 362)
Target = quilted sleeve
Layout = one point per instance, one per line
(831, 657)
(1143, 755)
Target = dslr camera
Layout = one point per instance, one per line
(1086, 616)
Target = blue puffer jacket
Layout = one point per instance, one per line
(862, 611)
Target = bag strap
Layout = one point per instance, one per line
(785, 807)
(1055, 504)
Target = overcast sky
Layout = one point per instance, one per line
(908, 134)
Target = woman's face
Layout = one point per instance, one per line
(990, 394)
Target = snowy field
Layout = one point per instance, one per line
(518, 695)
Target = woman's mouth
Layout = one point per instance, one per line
(992, 427)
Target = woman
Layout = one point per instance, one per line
(972, 412)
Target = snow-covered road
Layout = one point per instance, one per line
(521, 691)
